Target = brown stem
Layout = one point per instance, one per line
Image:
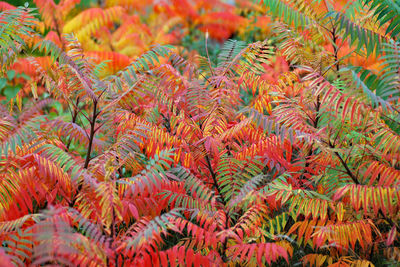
(119, 168)
(167, 123)
(335, 50)
(214, 177)
(113, 230)
(57, 28)
(317, 117)
(348, 171)
(390, 221)
(354, 178)
(92, 132)
(74, 117)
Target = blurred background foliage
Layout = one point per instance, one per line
(122, 30)
(84, 3)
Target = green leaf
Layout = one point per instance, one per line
(11, 74)
(3, 82)
(11, 91)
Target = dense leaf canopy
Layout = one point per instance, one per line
(200, 132)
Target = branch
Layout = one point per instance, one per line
(92, 133)
(214, 177)
(74, 116)
(348, 171)
(224, 244)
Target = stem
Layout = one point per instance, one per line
(208, 57)
(334, 39)
(74, 117)
(317, 117)
(167, 123)
(100, 3)
(390, 221)
(348, 171)
(113, 230)
(335, 50)
(92, 132)
(119, 168)
(354, 178)
(214, 177)
(57, 28)
(89, 151)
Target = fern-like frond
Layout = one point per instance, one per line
(371, 198)
(229, 51)
(346, 234)
(380, 173)
(6, 259)
(72, 131)
(110, 204)
(180, 256)
(199, 193)
(289, 15)
(368, 39)
(16, 25)
(50, 172)
(142, 64)
(152, 177)
(259, 253)
(246, 190)
(90, 20)
(251, 220)
(146, 234)
(315, 208)
(65, 245)
(386, 12)
(375, 91)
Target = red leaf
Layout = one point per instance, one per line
(5, 259)
(260, 253)
(268, 253)
(163, 259)
(172, 256)
(181, 255)
(134, 211)
(391, 236)
(189, 257)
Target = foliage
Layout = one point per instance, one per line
(279, 152)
